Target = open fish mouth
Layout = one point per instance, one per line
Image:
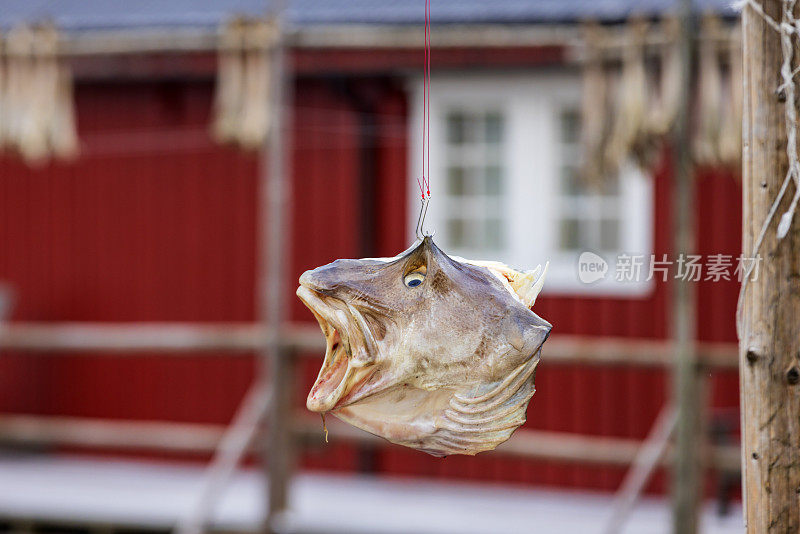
(349, 351)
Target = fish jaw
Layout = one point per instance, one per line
(447, 421)
(349, 353)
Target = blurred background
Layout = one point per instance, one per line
(168, 170)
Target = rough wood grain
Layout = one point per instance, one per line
(770, 394)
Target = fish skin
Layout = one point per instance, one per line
(446, 367)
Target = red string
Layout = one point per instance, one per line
(428, 67)
(425, 182)
(421, 178)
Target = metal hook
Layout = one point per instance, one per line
(423, 212)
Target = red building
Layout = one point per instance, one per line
(154, 221)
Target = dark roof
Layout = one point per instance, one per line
(91, 14)
(477, 11)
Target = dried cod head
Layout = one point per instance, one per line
(429, 351)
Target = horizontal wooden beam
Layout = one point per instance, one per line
(606, 351)
(204, 438)
(46, 431)
(92, 43)
(174, 339)
(538, 444)
(632, 352)
(446, 36)
(353, 36)
(181, 40)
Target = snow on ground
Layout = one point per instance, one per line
(154, 494)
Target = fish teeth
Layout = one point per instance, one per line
(368, 352)
(355, 340)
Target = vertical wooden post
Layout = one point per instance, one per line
(769, 368)
(687, 472)
(276, 368)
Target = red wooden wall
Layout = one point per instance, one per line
(154, 222)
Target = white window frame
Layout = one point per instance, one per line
(531, 104)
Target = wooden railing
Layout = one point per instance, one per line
(239, 339)
(178, 339)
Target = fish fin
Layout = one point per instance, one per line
(480, 421)
(532, 286)
(524, 285)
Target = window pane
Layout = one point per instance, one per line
(570, 126)
(475, 169)
(457, 232)
(571, 183)
(456, 181)
(590, 218)
(494, 234)
(609, 234)
(569, 237)
(472, 181)
(494, 185)
(610, 186)
(494, 128)
(456, 128)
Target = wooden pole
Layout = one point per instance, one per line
(687, 471)
(769, 341)
(276, 367)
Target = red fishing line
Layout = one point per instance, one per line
(425, 181)
(428, 69)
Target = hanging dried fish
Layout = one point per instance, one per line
(230, 82)
(631, 99)
(707, 135)
(33, 141)
(63, 128)
(37, 117)
(594, 108)
(241, 102)
(665, 105)
(428, 351)
(3, 81)
(19, 79)
(255, 113)
(663, 97)
(730, 138)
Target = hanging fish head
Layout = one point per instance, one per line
(429, 351)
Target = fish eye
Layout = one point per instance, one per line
(413, 279)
